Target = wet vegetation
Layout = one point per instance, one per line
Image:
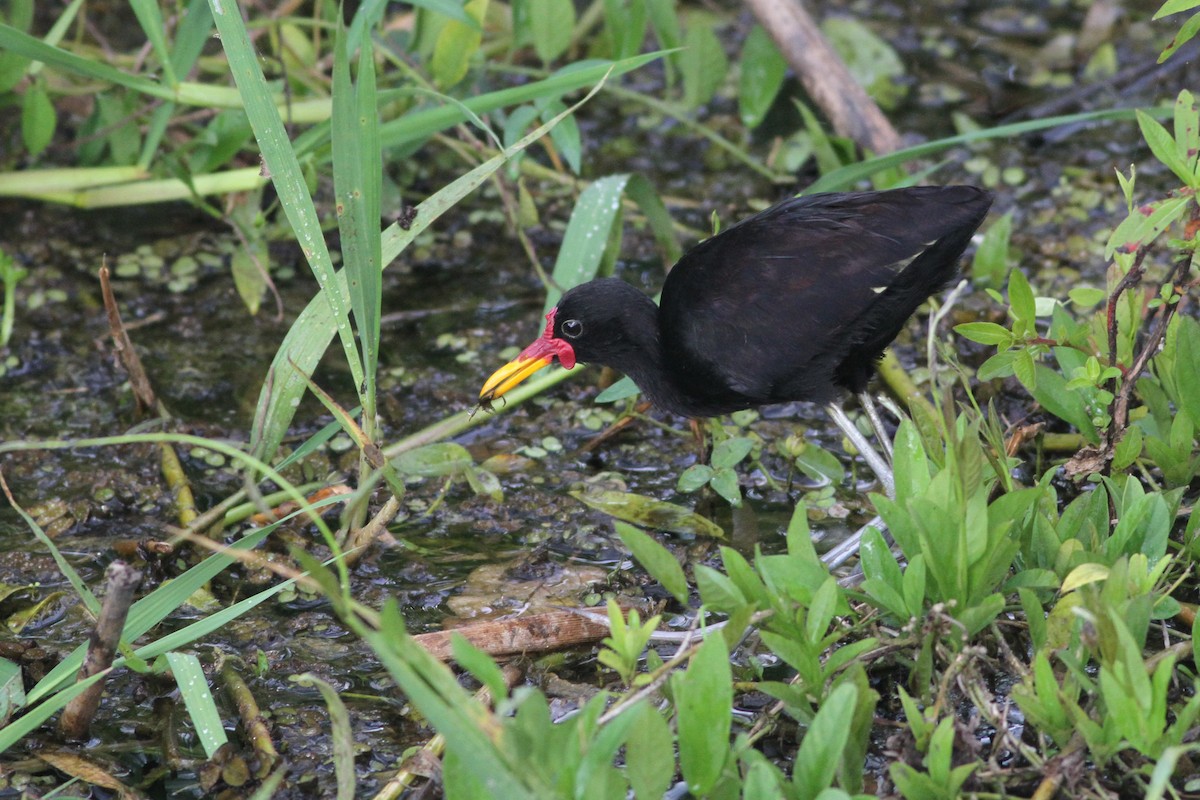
(192, 201)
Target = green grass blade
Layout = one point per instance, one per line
(281, 162)
(356, 175)
(193, 688)
(23, 44)
(150, 18)
(190, 36)
(422, 124)
(845, 177)
(342, 734)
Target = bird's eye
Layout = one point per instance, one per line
(572, 328)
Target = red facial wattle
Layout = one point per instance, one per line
(550, 347)
(545, 351)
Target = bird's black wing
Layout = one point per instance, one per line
(767, 310)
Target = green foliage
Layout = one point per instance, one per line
(703, 697)
(456, 45)
(1093, 356)
(992, 258)
(761, 76)
(719, 473)
(629, 638)
(648, 512)
(940, 780)
(449, 461)
(38, 118)
(552, 25)
(1186, 32)
(960, 546)
(655, 559)
(871, 60)
(702, 63)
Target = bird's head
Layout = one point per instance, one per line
(591, 323)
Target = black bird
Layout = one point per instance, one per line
(795, 303)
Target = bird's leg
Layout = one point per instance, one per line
(876, 462)
(868, 405)
(703, 434)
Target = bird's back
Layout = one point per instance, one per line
(804, 297)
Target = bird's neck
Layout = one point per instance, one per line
(645, 361)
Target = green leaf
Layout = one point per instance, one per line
(621, 390)
(1186, 368)
(1050, 390)
(725, 483)
(693, 478)
(718, 591)
(648, 512)
(871, 60)
(249, 266)
(434, 460)
(730, 452)
(1144, 224)
(1187, 135)
(38, 119)
(566, 137)
(704, 706)
(703, 65)
(763, 69)
(480, 665)
(1020, 298)
(193, 688)
(149, 16)
(357, 166)
(454, 9)
(820, 752)
(552, 23)
(625, 22)
(1025, 370)
(19, 14)
(457, 43)
(819, 464)
(1162, 145)
(988, 333)
(586, 236)
(1128, 449)
(482, 482)
(1174, 7)
(1186, 33)
(665, 21)
(990, 264)
(998, 366)
(656, 560)
(12, 690)
(642, 192)
(649, 752)
(1087, 296)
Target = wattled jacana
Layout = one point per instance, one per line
(795, 303)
